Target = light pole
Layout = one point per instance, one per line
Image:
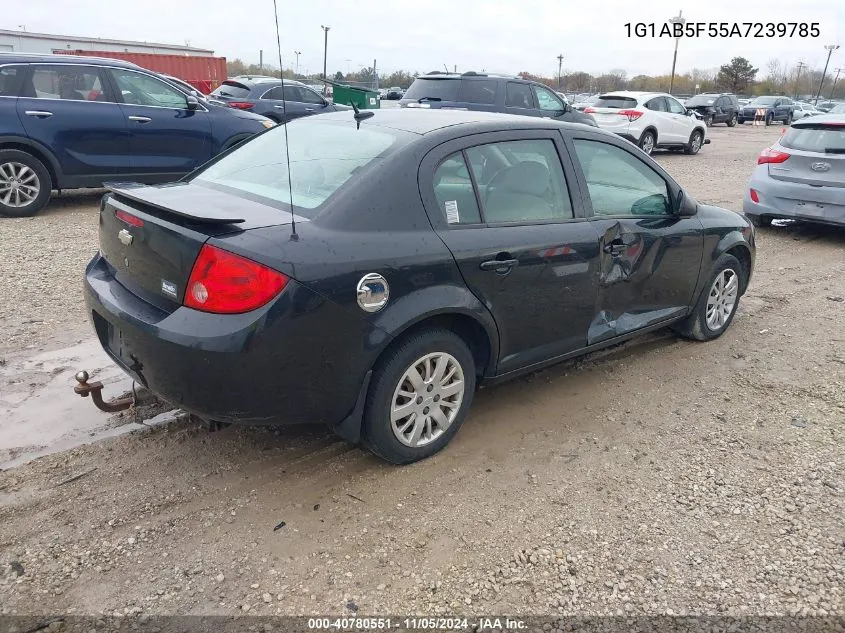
(325, 53)
(801, 66)
(835, 79)
(678, 19)
(297, 53)
(830, 48)
(559, 69)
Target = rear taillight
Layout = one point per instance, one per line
(130, 219)
(770, 155)
(632, 115)
(754, 197)
(225, 283)
(241, 105)
(590, 110)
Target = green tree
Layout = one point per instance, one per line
(737, 75)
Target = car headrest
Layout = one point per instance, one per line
(529, 177)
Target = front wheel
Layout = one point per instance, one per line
(695, 140)
(25, 184)
(789, 119)
(708, 120)
(732, 121)
(647, 142)
(769, 118)
(717, 305)
(419, 397)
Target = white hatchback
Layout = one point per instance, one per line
(650, 120)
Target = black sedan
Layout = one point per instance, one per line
(409, 257)
(265, 96)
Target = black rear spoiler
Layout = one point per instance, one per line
(162, 199)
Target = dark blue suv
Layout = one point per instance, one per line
(69, 122)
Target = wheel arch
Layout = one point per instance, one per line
(38, 151)
(650, 128)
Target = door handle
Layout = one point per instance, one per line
(140, 119)
(500, 265)
(616, 247)
(41, 114)
(309, 109)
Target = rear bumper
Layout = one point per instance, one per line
(296, 360)
(789, 200)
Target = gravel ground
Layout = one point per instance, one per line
(659, 477)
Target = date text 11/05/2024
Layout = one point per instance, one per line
(460, 624)
(723, 29)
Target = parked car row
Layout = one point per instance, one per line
(69, 122)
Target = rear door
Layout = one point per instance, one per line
(649, 257)
(166, 138)
(71, 110)
(510, 213)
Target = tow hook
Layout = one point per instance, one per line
(95, 389)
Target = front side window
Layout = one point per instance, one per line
(619, 184)
(143, 90)
(59, 81)
(675, 106)
(547, 100)
(518, 95)
(308, 96)
(454, 193)
(527, 185)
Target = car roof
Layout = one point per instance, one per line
(634, 94)
(821, 118)
(419, 121)
(35, 58)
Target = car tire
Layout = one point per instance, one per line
(759, 220)
(696, 139)
(732, 121)
(715, 309)
(647, 142)
(788, 119)
(769, 118)
(708, 120)
(32, 179)
(741, 121)
(392, 388)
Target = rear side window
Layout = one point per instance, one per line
(518, 95)
(323, 157)
(481, 91)
(59, 81)
(454, 193)
(10, 80)
(231, 89)
(818, 137)
(619, 183)
(607, 101)
(658, 104)
(434, 89)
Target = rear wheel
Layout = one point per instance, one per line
(708, 120)
(695, 140)
(732, 121)
(789, 119)
(718, 303)
(769, 118)
(647, 142)
(25, 184)
(419, 397)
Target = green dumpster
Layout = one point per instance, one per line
(363, 98)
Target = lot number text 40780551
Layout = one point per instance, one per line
(722, 29)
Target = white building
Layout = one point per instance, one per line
(43, 43)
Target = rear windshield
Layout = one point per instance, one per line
(231, 89)
(701, 100)
(323, 157)
(434, 89)
(818, 137)
(609, 101)
(763, 101)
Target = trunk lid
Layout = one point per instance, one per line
(151, 236)
(816, 155)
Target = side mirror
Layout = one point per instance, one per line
(193, 102)
(684, 206)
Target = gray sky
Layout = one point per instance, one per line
(507, 36)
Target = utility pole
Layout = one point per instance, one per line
(325, 55)
(830, 48)
(559, 69)
(297, 53)
(375, 75)
(678, 19)
(801, 66)
(261, 59)
(835, 79)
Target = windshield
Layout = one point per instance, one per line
(840, 109)
(323, 157)
(701, 100)
(763, 101)
(434, 89)
(825, 138)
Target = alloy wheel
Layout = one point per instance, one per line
(19, 184)
(722, 299)
(647, 144)
(427, 399)
(696, 143)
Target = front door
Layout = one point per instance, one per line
(682, 123)
(70, 109)
(167, 138)
(650, 257)
(504, 209)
